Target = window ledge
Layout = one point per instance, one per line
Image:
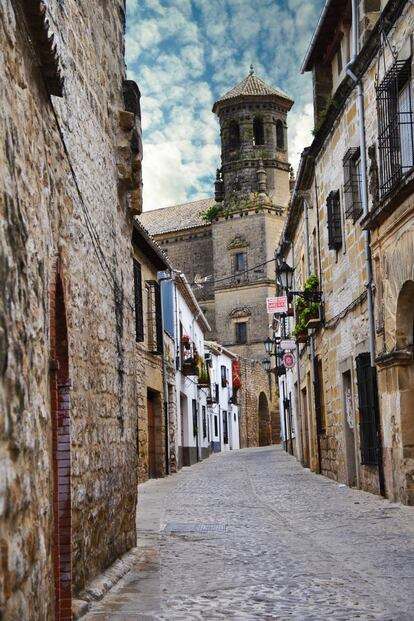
(402, 190)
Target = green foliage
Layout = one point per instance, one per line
(306, 309)
(211, 213)
(312, 283)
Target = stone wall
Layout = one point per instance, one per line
(62, 196)
(254, 382)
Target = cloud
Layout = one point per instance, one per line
(185, 54)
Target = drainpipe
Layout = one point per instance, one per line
(366, 233)
(299, 439)
(166, 399)
(311, 338)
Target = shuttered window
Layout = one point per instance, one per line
(139, 316)
(333, 206)
(368, 409)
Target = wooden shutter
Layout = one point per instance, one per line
(139, 316)
(317, 391)
(368, 409)
(333, 207)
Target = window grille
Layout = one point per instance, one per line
(395, 125)
(352, 184)
(333, 206)
(155, 329)
(139, 317)
(368, 409)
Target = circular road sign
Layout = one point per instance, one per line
(289, 360)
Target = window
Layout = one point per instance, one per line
(167, 296)
(240, 261)
(215, 427)
(155, 329)
(234, 135)
(225, 429)
(368, 409)
(139, 317)
(241, 332)
(217, 393)
(280, 135)
(224, 381)
(204, 417)
(333, 206)
(195, 423)
(258, 131)
(395, 125)
(352, 184)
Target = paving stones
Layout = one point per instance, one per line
(291, 546)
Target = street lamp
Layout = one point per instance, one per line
(284, 273)
(268, 345)
(266, 364)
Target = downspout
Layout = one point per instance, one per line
(312, 335)
(366, 232)
(299, 438)
(166, 399)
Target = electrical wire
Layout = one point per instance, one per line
(213, 282)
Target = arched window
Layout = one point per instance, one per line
(234, 135)
(280, 135)
(258, 131)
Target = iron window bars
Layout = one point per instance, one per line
(352, 184)
(333, 206)
(368, 409)
(395, 125)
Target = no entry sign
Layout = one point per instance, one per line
(277, 305)
(289, 360)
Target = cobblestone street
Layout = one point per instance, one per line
(282, 543)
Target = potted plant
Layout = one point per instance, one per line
(186, 341)
(300, 332)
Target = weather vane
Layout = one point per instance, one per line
(251, 69)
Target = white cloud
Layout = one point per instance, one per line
(184, 54)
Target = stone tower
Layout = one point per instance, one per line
(252, 194)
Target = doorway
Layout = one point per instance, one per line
(349, 429)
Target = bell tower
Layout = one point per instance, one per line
(254, 155)
(252, 192)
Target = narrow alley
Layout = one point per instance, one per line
(252, 535)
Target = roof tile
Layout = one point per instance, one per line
(176, 218)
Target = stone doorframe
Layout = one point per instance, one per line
(60, 386)
(347, 366)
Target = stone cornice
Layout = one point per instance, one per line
(396, 358)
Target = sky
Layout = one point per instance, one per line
(184, 55)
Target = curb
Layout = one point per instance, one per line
(98, 587)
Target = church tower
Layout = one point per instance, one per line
(252, 194)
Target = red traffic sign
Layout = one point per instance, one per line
(289, 360)
(277, 305)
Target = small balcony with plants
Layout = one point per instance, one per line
(189, 357)
(308, 309)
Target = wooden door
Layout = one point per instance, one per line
(152, 468)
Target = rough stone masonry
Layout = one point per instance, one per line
(70, 182)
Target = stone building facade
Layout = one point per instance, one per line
(353, 411)
(70, 161)
(225, 245)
